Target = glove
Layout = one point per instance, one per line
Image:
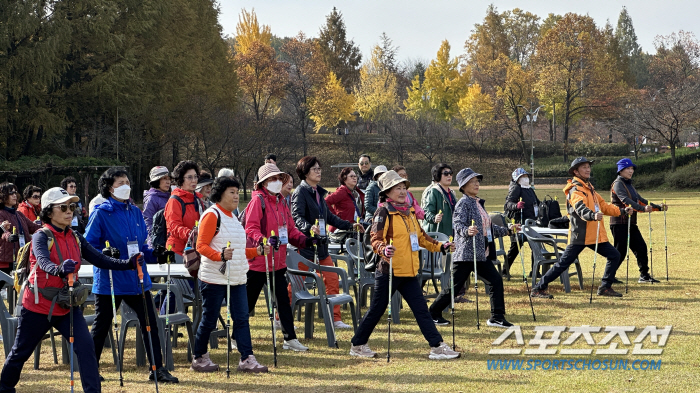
(66, 268)
(520, 205)
(311, 242)
(323, 240)
(112, 252)
(163, 255)
(389, 251)
(274, 242)
(14, 238)
(136, 259)
(444, 248)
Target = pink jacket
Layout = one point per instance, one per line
(277, 215)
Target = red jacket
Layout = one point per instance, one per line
(7, 249)
(70, 249)
(276, 214)
(343, 204)
(179, 226)
(29, 211)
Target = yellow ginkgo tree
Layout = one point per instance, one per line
(376, 98)
(476, 115)
(331, 104)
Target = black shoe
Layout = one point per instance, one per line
(616, 281)
(163, 376)
(440, 321)
(498, 322)
(608, 291)
(647, 279)
(102, 379)
(541, 294)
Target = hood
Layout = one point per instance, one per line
(576, 182)
(112, 204)
(186, 196)
(154, 193)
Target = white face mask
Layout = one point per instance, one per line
(274, 186)
(122, 192)
(524, 181)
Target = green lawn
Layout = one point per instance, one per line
(325, 369)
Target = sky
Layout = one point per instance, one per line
(418, 27)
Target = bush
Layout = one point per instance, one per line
(649, 182)
(685, 177)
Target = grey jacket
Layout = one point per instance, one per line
(466, 210)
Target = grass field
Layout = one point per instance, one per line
(325, 369)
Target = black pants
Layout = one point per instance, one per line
(31, 329)
(488, 273)
(572, 252)
(410, 289)
(255, 284)
(637, 245)
(513, 253)
(103, 322)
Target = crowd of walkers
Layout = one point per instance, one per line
(243, 251)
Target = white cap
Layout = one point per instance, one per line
(56, 195)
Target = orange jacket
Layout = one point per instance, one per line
(581, 200)
(180, 225)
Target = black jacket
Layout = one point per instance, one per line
(364, 180)
(623, 193)
(305, 211)
(515, 192)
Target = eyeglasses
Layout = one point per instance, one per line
(363, 163)
(71, 186)
(317, 169)
(352, 176)
(12, 193)
(35, 197)
(64, 208)
(447, 173)
(192, 178)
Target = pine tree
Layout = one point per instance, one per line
(341, 55)
(629, 47)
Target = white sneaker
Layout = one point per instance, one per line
(341, 325)
(294, 345)
(204, 364)
(362, 351)
(250, 365)
(443, 352)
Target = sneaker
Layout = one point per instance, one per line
(541, 294)
(440, 321)
(204, 364)
(341, 325)
(462, 299)
(362, 351)
(498, 322)
(250, 365)
(647, 279)
(608, 291)
(443, 352)
(294, 345)
(163, 376)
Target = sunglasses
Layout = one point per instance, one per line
(12, 193)
(35, 197)
(447, 173)
(64, 208)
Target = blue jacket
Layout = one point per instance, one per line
(119, 223)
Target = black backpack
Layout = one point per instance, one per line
(158, 235)
(548, 210)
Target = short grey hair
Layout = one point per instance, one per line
(226, 172)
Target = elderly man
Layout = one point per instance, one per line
(366, 174)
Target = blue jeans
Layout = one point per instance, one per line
(212, 297)
(572, 252)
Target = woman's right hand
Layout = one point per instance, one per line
(438, 218)
(389, 251)
(472, 230)
(6, 225)
(228, 253)
(316, 230)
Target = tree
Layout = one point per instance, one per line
(476, 115)
(444, 84)
(522, 31)
(375, 95)
(627, 39)
(341, 55)
(331, 104)
(248, 31)
(487, 43)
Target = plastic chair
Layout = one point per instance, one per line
(543, 257)
(499, 219)
(433, 268)
(178, 318)
(301, 295)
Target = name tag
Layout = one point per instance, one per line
(489, 235)
(414, 242)
(537, 210)
(132, 248)
(283, 235)
(322, 227)
(21, 241)
(597, 208)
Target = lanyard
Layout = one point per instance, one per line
(357, 209)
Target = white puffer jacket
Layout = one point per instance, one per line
(232, 231)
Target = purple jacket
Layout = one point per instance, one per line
(153, 200)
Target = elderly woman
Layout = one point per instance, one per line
(155, 198)
(396, 220)
(57, 252)
(311, 213)
(31, 206)
(204, 188)
(18, 228)
(624, 194)
(439, 201)
(223, 268)
(347, 201)
(470, 208)
(372, 193)
(183, 208)
(420, 213)
(521, 204)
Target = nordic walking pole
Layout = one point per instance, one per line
(139, 268)
(357, 220)
(522, 263)
(270, 311)
(114, 320)
(391, 277)
(665, 239)
(432, 262)
(452, 296)
(71, 339)
(228, 314)
(328, 303)
(651, 251)
(273, 300)
(476, 281)
(629, 225)
(595, 256)
(167, 304)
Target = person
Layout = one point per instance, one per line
(271, 159)
(396, 221)
(260, 223)
(54, 260)
(372, 193)
(11, 242)
(226, 172)
(366, 174)
(623, 194)
(156, 197)
(470, 208)
(420, 213)
(120, 222)
(78, 224)
(347, 201)
(585, 207)
(521, 204)
(311, 213)
(184, 207)
(222, 245)
(31, 205)
(439, 201)
(204, 188)
(96, 201)
(287, 190)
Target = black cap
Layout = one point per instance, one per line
(578, 162)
